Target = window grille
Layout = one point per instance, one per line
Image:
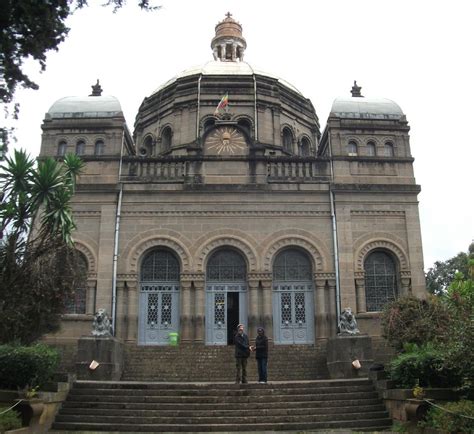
(75, 302)
(226, 266)
(160, 265)
(380, 281)
(292, 265)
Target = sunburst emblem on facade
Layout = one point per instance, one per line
(226, 140)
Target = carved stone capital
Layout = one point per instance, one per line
(320, 283)
(192, 277)
(326, 276)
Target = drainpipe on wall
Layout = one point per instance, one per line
(116, 240)
(255, 106)
(332, 200)
(198, 107)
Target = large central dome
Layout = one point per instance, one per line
(226, 97)
(217, 67)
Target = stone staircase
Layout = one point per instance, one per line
(210, 407)
(197, 362)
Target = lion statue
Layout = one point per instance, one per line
(101, 325)
(348, 323)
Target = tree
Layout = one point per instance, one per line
(440, 276)
(459, 337)
(39, 266)
(29, 29)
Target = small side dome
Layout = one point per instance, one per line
(85, 106)
(92, 106)
(357, 107)
(368, 108)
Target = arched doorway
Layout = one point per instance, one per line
(293, 305)
(226, 296)
(159, 297)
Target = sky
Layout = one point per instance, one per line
(417, 53)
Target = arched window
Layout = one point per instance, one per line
(293, 298)
(245, 125)
(389, 149)
(209, 124)
(292, 265)
(62, 147)
(380, 280)
(99, 147)
(352, 148)
(371, 152)
(226, 266)
(160, 265)
(287, 140)
(166, 139)
(147, 149)
(305, 147)
(80, 147)
(75, 302)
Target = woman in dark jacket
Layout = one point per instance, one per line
(261, 354)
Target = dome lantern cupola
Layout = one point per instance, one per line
(228, 45)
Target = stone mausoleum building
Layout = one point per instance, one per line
(202, 219)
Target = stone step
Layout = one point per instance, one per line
(250, 411)
(217, 399)
(264, 390)
(87, 384)
(197, 362)
(213, 407)
(359, 425)
(279, 406)
(234, 418)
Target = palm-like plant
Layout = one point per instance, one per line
(44, 191)
(37, 261)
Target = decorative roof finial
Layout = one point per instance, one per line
(96, 89)
(228, 45)
(355, 91)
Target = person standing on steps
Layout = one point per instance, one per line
(261, 354)
(242, 353)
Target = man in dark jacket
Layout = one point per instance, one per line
(242, 353)
(261, 354)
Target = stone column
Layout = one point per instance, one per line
(405, 282)
(253, 306)
(332, 308)
(267, 311)
(132, 310)
(91, 288)
(185, 309)
(234, 52)
(320, 311)
(200, 310)
(223, 52)
(360, 291)
(121, 317)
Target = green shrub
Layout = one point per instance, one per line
(9, 420)
(452, 417)
(22, 367)
(409, 319)
(424, 366)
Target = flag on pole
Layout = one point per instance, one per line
(223, 103)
